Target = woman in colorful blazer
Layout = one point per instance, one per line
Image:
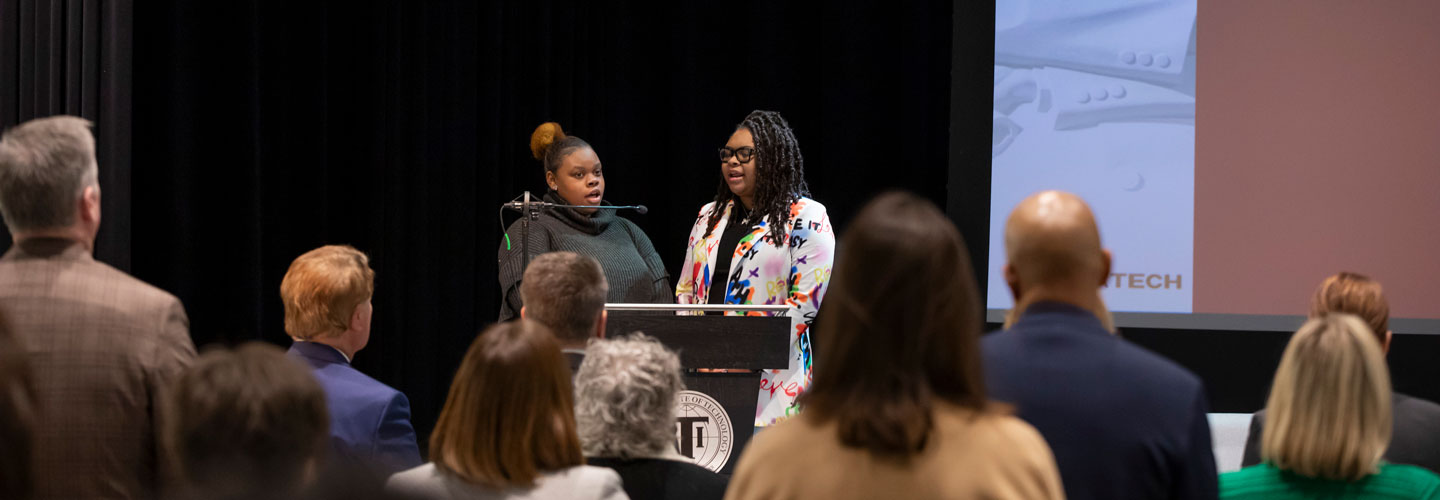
(763, 241)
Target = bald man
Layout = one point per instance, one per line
(1122, 421)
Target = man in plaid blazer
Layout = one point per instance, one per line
(103, 345)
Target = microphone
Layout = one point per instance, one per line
(530, 209)
(541, 205)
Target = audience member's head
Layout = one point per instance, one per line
(327, 298)
(625, 395)
(565, 291)
(1053, 252)
(49, 180)
(1329, 407)
(248, 423)
(1356, 294)
(899, 332)
(17, 419)
(509, 414)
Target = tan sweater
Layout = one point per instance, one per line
(968, 456)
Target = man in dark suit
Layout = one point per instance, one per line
(102, 345)
(327, 312)
(1122, 422)
(1416, 428)
(565, 291)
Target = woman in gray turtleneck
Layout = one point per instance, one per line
(573, 172)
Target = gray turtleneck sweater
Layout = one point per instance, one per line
(632, 267)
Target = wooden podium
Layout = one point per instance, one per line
(746, 343)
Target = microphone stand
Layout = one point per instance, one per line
(527, 213)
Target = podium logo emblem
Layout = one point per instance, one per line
(703, 434)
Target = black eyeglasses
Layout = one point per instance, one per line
(741, 154)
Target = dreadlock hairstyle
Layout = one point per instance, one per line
(550, 145)
(779, 173)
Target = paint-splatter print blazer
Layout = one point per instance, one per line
(793, 272)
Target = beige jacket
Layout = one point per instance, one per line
(967, 456)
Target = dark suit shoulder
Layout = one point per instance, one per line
(1000, 345)
(1413, 405)
(659, 479)
(347, 378)
(1415, 441)
(1140, 367)
(356, 400)
(1416, 438)
(1158, 368)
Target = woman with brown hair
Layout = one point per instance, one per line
(1329, 422)
(898, 406)
(508, 428)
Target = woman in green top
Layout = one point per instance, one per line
(1329, 422)
(633, 270)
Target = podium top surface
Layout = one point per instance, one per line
(695, 307)
(735, 342)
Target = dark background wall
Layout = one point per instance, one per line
(260, 130)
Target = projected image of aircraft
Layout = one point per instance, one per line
(1097, 97)
(1083, 64)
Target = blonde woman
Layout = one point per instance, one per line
(1329, 422)
(1415, 436)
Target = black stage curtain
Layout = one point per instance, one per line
(267, 129)
(73, 57)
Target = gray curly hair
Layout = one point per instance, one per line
(625, 394)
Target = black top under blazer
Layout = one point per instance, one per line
(662, 479)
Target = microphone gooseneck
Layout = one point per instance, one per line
(541, 205)
(530, 208)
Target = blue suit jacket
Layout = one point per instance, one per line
(1123, 422)
(369, 421)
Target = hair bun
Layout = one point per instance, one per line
(545, 135)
